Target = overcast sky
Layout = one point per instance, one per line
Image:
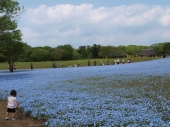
(88, 22)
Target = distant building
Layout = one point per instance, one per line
(148, 53)
(121, 55)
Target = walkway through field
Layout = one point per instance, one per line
(21, 120)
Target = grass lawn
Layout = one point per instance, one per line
(48, 64)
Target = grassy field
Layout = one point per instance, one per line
(48, 64)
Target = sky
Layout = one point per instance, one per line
(87, 22)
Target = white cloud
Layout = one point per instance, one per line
(67, 33)
(28, 33)
(166, 34)
(166, 18)
(86, 25)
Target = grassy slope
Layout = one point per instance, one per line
(38, 65)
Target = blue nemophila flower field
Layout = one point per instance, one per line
(128, 95)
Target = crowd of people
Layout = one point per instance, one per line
(116, 61)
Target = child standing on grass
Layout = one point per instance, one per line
(11, 104)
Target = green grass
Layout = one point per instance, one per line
(48, 64)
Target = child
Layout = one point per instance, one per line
(12, 104)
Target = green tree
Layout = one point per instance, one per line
(68, 51)
(2, 58)
(56, 54)
(9, 12)
(158, 48)
(141, 47)
(166, 48)
(133, 50)
(10, 7)
(104, 51)
(48, 48)
(39, 54)
(84, 52)
(11, 45)
(109, 52)
(76, 55)
(122, 47)
(25, 57)
(95, 51)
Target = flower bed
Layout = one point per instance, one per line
(135, 94)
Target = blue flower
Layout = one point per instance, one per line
(125, 95)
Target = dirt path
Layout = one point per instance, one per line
(21, 120)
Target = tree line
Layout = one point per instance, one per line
(67, 52)
(13, 49)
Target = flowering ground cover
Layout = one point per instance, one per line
(129, 95)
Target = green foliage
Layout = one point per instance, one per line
(158, 48)
(166, 48)
(48, 48)
(9, 7)
(25, 57)
(9, 11)
(109, 52)
(68, 51)
(11, 46)
(56, 54)
(95, 51)
(84, 52)
(122, 47)
(134, 50)
(76, 55)
(131, 50)
(39, 54)
(2, 58)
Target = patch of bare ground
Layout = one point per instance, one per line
(21, 120)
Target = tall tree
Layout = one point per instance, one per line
(158, 48)
(166, 48)
(68, 51)
(11, 45)
(95, 51)
(2, 58)
(39, 54)
(76, 55)
(25, 57)
(84, 52)
(133, 50)
(56, 54)
(109, 52)
(9, 12)
(48, 48)
(122, 47)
